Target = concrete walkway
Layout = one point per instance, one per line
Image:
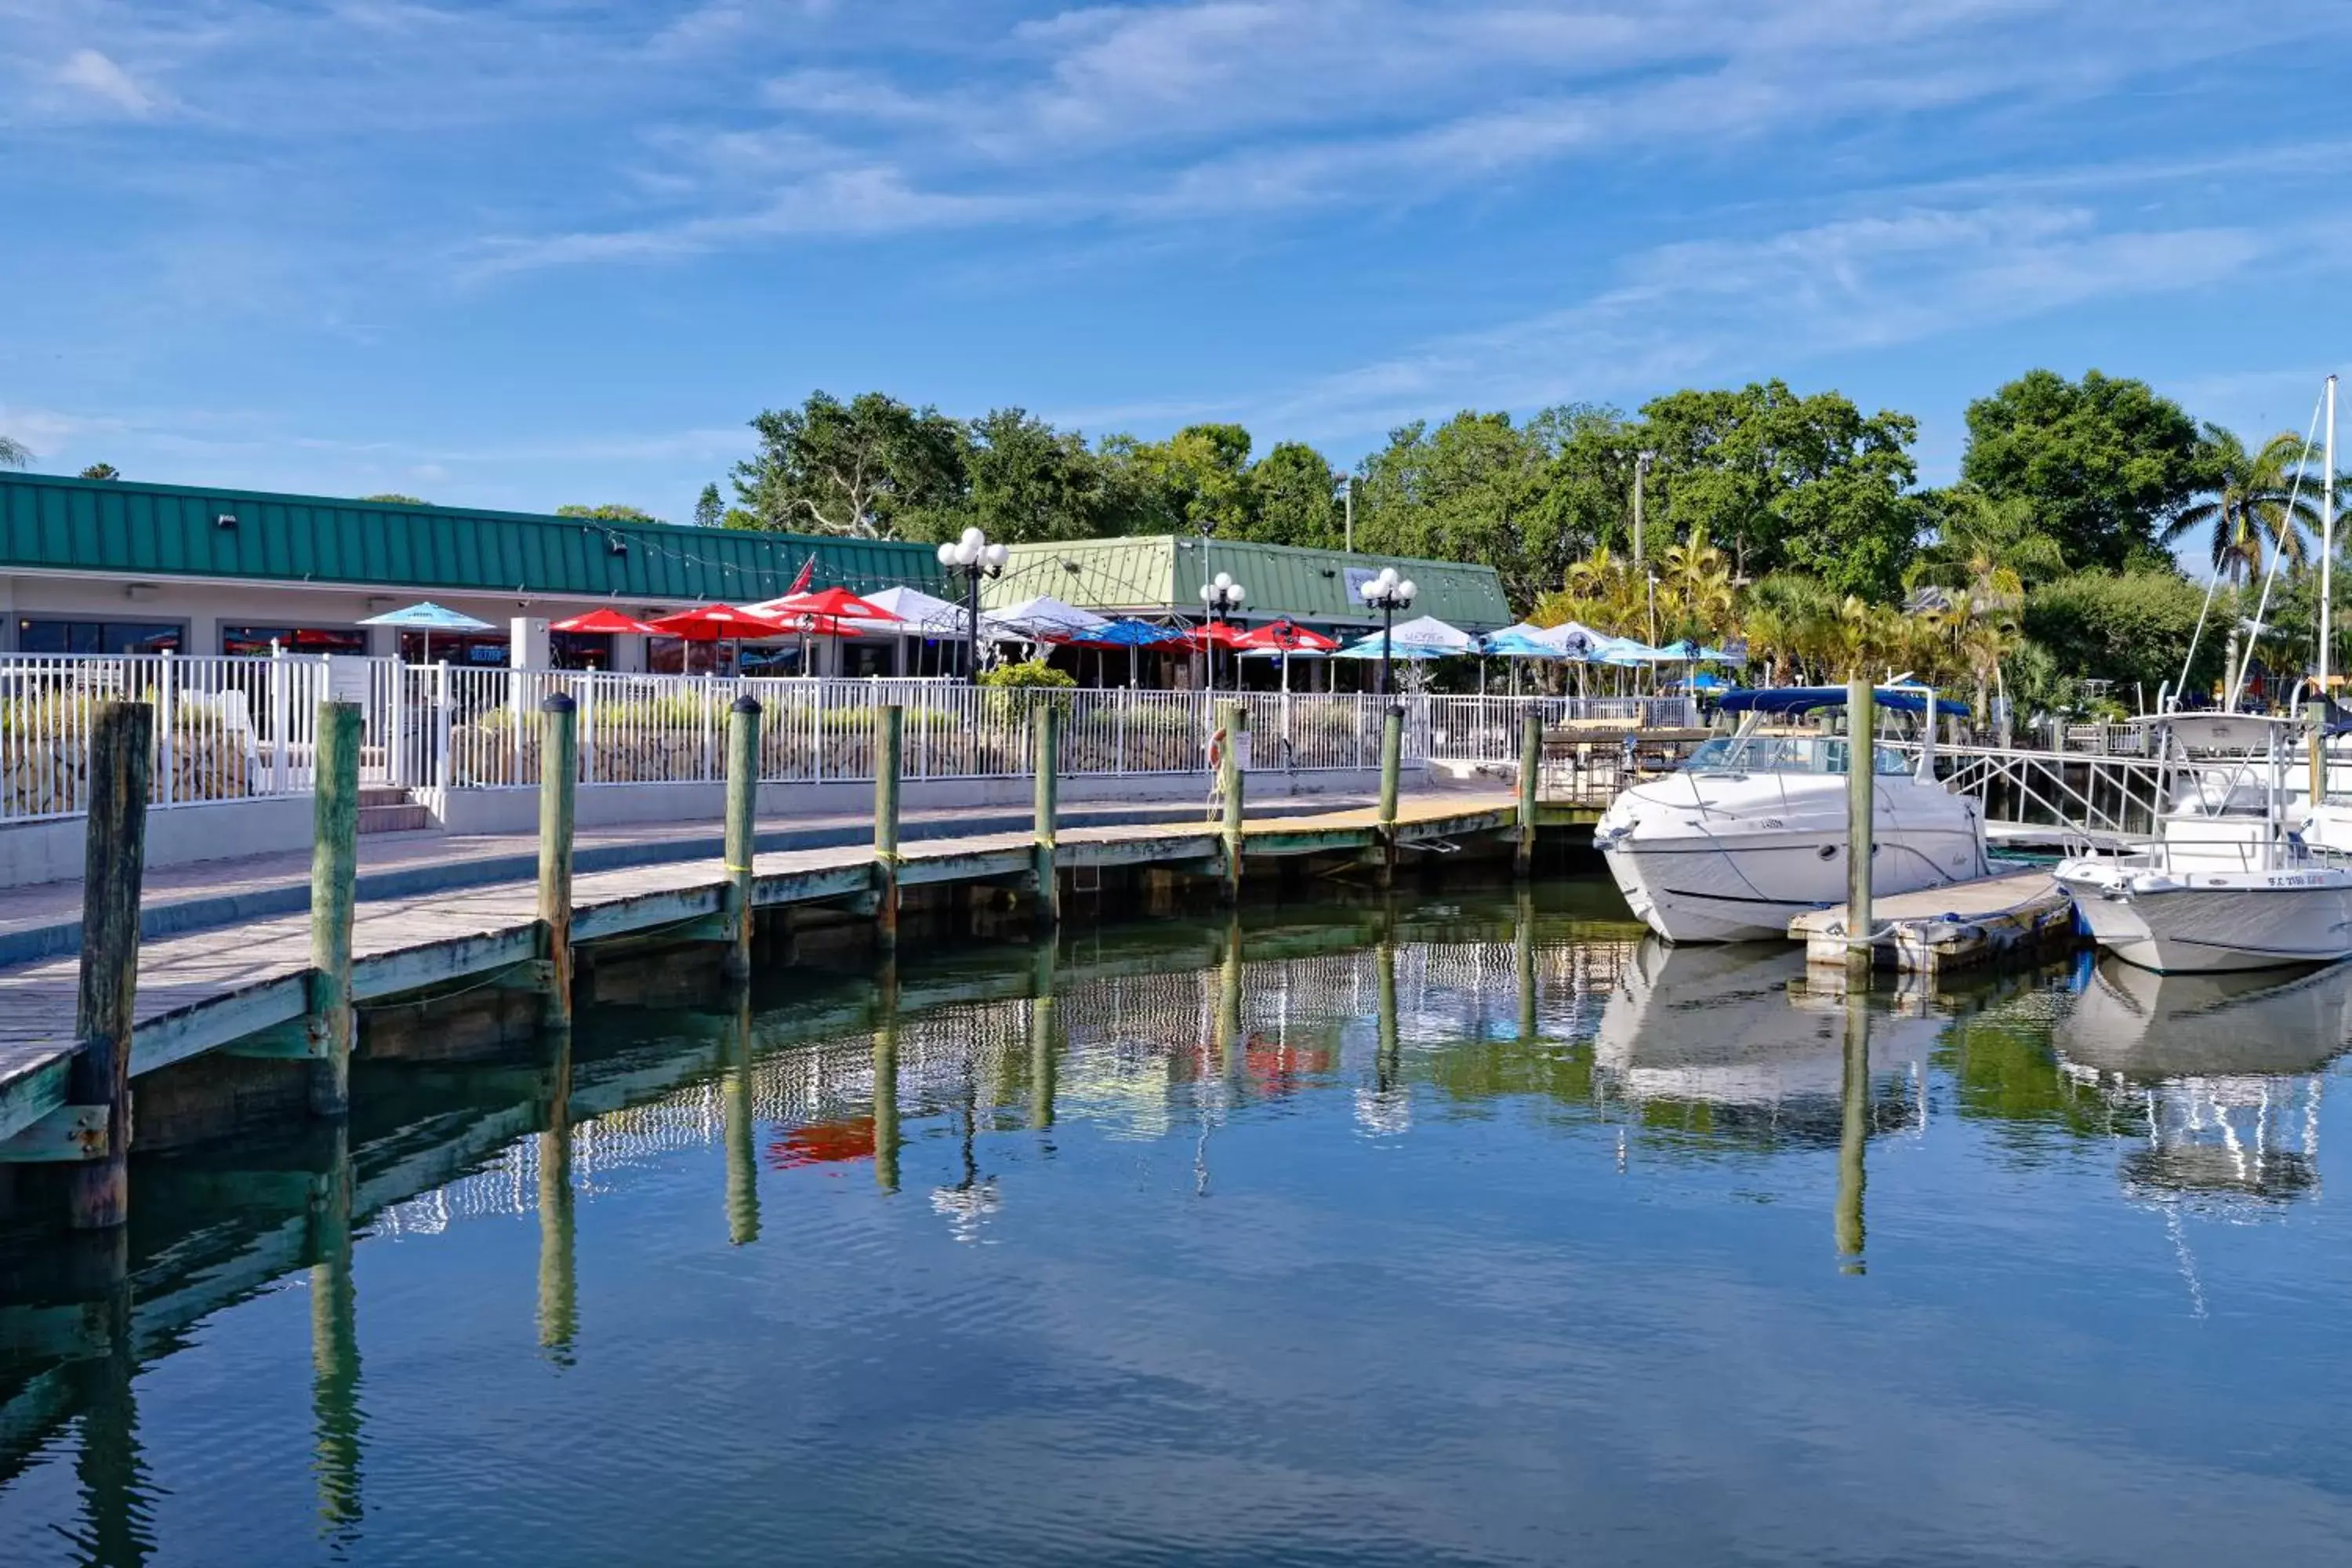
(44, 921)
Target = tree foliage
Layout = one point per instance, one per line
(102, 472)
(2131, 627)
(869, 469)
(2104, 461)
(609, 511)
(393, 497)
(13, 454)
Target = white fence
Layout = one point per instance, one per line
(235, 729)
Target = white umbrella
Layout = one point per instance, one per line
(1429, 634)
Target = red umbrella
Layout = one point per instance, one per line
(711, 623)
(606, 621)
(838, 602)
(1286, 636)
(1221, 634)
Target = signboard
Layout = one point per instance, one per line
(1357, 576)
(349, 678)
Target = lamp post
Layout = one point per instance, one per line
(1223, 597)
(976, 558)
(1388, 594)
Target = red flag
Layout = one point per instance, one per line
(801, 583)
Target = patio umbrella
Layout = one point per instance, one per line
(828, 613)
(427, 617)
(1045, 620)
(1285, 637)
(715, 623)
(1521, 641)
(1130, 635)
(610, 622)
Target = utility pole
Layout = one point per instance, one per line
(1641, 472)
(1350, 501)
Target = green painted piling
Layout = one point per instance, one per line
(1530, 773)
(889, 750)
(559, 769)
(742, 830)
(1046, 724)
(1861, 779)
(114, 857)
(334, 897)
(1233, 721)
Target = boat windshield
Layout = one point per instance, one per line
(1787, 754)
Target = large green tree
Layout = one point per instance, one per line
(1465, 491)
(606, 511)
(1293, 498)
(1026, 481)
(1784, 482)
(2104, 461)
(871, 468)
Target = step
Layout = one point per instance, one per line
(383, 794)
(400, 817)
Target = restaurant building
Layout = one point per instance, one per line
(114, 567)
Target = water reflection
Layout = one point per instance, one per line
(1397, 1025)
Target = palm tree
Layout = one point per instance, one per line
(1992, 549)
(13, 454)
(1696, 586)
(2252, 504)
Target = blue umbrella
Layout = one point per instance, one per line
(1515, 644)
(427, 617)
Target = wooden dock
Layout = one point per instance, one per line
(2015, 910)
(244, 990)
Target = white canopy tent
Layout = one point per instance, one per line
(1042, 619)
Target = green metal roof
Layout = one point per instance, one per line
(173, 530)
(1163, 574)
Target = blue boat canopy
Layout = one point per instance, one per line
(1805, 699)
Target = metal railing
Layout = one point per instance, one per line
(226, 728)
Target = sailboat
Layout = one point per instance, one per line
(2232, 880)
(1750, 832)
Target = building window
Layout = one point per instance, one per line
(38, 634)
(255, 641)
(580, 650)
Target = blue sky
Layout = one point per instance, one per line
(547, 250)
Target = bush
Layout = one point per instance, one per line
(1036, 672)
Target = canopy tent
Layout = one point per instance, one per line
(1042, 619)
(427, 617)
(1517, 642)
(1429, 632)
(1805, 699)
(608, 622)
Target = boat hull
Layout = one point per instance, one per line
(2181, 930)
(1749, 888)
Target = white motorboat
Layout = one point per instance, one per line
(2230, 881)
(1751, 831)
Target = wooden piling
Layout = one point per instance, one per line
(1233, 720)
(558, 1315)
(558, 768)
(742, 1129)
(1046, 724)
(1391, 776)
(889, 743)
(1530, 772)
(2314, 717)
(334, 1340)
(742, 830)
(1044, 1041)
(334, 896)
(886, 1076)
(1860, 781)
(114, 855)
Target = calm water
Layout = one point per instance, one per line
(1477, 1231)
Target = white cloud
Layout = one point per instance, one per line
(87, 71)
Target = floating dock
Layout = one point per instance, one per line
(2017, 910)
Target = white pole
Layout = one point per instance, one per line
(2327, 539)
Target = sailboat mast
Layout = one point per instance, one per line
(2326, 538)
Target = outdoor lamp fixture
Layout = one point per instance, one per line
(1388, 594)
(1222, 597)
(976, 558)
